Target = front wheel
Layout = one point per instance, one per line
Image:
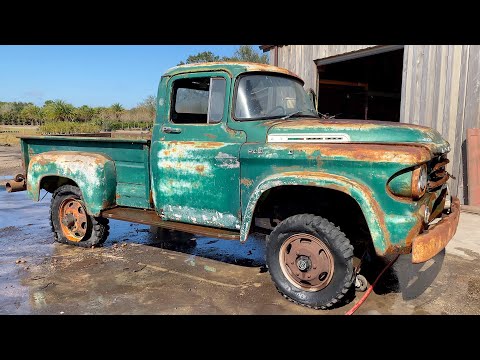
(70, 222)
(310, 261)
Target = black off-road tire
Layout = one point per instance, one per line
(341, 250)
(97, 227)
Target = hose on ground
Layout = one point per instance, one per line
(370, 289)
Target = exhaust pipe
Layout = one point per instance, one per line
(17, 184)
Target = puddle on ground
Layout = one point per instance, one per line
(20, 212)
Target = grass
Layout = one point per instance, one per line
(9, 133)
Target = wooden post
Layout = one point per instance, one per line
(473, 166)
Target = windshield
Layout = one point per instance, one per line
(263, 96)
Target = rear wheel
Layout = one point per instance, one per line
(310, 261)
(70, 222)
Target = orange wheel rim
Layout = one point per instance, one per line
(73, 219)
(306, 262)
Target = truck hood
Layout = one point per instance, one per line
(307, 130)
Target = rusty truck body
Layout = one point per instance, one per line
(234, 143)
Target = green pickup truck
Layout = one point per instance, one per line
(238, 148)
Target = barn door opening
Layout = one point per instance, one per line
(366, 85)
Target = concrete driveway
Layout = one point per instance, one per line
(141, 270)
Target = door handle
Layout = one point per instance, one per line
(170, 130)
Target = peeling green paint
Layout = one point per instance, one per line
(93, 173)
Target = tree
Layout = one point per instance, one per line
(7, 112)
(201, 57)
(149, 105)
(248, 53)
(243, 53)
(31, 113)
(59, 110)
(117, 110)
(84, 113)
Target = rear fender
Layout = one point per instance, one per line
(94, 174)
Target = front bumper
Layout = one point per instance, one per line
(432, 241)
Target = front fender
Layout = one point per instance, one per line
(361, 193)
(94, 174)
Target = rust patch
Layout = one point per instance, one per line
(106, 204)
(397, 249)
(150, 217)
(197, 144)
(246, 182)
(211, 136)
(363, 151)
(118, 196)
(413, 233)
(200, 168)
(431, 242)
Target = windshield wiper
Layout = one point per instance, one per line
(299, 113)
(292, 114)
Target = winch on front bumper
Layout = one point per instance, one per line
(429, 243)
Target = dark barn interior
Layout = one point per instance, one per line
(363, 88)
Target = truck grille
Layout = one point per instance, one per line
(437, 174)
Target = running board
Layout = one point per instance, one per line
(150, 217)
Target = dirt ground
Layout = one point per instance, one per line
(141, 270)
(10, 162)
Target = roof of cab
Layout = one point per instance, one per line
(234, 68)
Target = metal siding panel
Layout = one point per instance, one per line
(436, 85)
(407, 83)
(422, 120)
(448, 86)
(442, 88)
(418, 84)
(454, 93)
(450, 110)
(472, 119)
(413, 85)
(459, 137)
(430, 96)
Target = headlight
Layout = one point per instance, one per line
(419, 181)
(411, 182)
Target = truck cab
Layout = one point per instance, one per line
(238, 148)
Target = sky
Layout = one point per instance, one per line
(94, 75)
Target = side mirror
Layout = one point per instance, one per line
(313, 97)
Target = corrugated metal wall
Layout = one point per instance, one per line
(440, 89)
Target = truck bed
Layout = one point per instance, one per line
(131, 158)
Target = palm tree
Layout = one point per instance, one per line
(59, 110)
(117, 110)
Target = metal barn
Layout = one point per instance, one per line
(431, 85)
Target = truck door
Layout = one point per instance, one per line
(195, 157)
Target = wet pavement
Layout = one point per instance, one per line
(146, 270)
